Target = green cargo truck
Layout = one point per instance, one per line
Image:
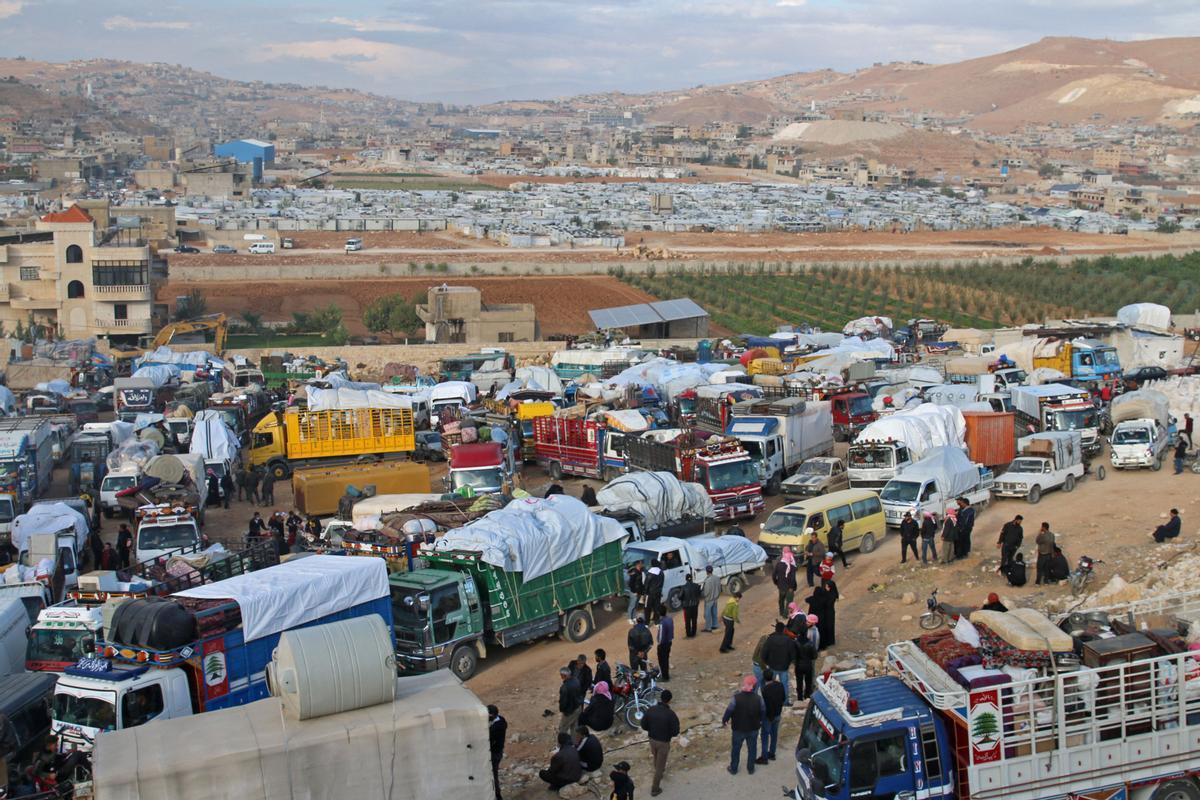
(449, 613)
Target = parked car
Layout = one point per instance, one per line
(267, 248)
(186, 248)
(353, 245)
(429, 446)
(224, 248)
(817, 476)
(1135, 378)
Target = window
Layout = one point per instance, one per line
(839, 514)
(504, 336)
(120, 273)
(140, 706)
(901, 454)
(816, 522)
(264, 439)
(865, 507)
(120, 311)
(29, 273)
(443, 603)
(875, 759)
(927, 493)
(74, 290)
(74, 254)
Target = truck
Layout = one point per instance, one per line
(934, 483)
(1050, 460)
(714, 404)
(26, 459)
(888, 446)
(532, 569)
(574, 446)
(1082, 360)
(1057, 407)
(1140, 435)
(654, 504)
(990, 375)
(733, 559)
(722, 466)
(967, 396)
(318, 490)
(50, 540)
(450, 394)
(293, 439)
(1106, 729)
(62, 635)
(781, 434)
(464, 368)
(142, 395)
(483, 467)
(206, 648)
(87, 457)
(164, 531)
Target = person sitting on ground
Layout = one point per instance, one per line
(1169, 529)
(993, 603)
(1058, 569)
(565, 766)
(591, 754)
(598, 714)
(554, 488)
(1015, 571)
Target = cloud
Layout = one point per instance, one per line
(10, 8)
(383, 61)
(122, 23)
(380, 25)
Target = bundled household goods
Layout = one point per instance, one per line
(657, 498)
(1145, 315)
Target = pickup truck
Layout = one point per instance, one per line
(934, 483)
(733, 559)
(1047, 461)
(817, 476)
(1139, 437)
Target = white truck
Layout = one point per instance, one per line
(934, 483)
(888, 446)
(782, 434)
(732, 558)
(62, 635)
(118, 480)
(50, 540)
(968, 397)
(1058, 407)
(1047, 461)
(450, 394)
(986, 373)
(165, 531)
(1139, 437)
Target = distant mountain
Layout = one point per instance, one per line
(46, 110)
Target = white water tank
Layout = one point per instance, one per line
(328, 669)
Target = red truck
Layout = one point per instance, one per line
(573, 446)
(722, 467)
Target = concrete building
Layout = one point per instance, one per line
(458, 314)
(248, 151)
(158, 148)
(75, 281)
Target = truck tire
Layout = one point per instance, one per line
(736, 584)
(867, 544)
(675, 599)
(1035, 494)
(1101, 473)
(1182, 789)
(1156, 465)
(578, 625)
(463, 661)
(773, 486)
(1069, 484)
(280, 470)
(555, 470)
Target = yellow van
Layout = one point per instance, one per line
(860, 508)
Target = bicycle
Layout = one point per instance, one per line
(634, 691)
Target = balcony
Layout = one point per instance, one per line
(123, 292)
(28, 303)
(122, 326)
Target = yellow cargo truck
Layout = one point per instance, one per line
(290, 440)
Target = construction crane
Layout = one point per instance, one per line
(217, 323)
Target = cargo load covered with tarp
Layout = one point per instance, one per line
(186, 360)
(49, 518)
(158, 374)
(873, 326)
(133, 453)
(668, 377)
(1142, 404)
(919, 428)
(533, 378)
(1065, 447)
(346, 398)
(1145, 315)
(264, 752)
(298, 592)
(968, 365)
(24, 377)
(627, 420)
(727, 551)
(212, 438)
(534, 536)
(171, 468)
(949, 466)
(658, 498)
(339, 380)
(968, 338)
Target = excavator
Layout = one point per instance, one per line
(217, 323)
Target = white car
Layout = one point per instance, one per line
(353, 245)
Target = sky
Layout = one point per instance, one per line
(467, 51)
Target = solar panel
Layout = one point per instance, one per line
(683, 308)
(623, 316)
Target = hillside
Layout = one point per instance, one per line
(45, 109)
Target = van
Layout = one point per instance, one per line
(262, 247)
(353, 245)
(286, 243)
(860, 508)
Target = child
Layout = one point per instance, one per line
(622, 784)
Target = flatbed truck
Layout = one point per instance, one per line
(285, 441)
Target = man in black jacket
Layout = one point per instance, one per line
(690, 595)
(591, 754)
(836, 541)
(635, 583)
(779, 651)
(1169, 529)
(639, 641)
(744, 714)
(603, 670)
(806, 655)
(654, 590)
(965, 524)
(497, 729)
(570, 702)
(909, 531)
(565, 766)
(661, 725)
(582, 673)
(774, 697)
(1011, 536)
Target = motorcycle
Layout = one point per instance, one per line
(1083, 574)
(634, 691)
(938, 612)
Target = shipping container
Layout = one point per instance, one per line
(317, 491)
(991, 437)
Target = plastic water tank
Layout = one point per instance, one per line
(328, 669)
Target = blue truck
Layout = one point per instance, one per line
(207, 648)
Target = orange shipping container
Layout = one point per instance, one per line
(991, 437)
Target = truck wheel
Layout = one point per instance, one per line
(578, 625)
(1196, 467)
(279, 470)
(1176, 790)
(1102, 473)
(736, 584)
(840, 436)
(867, 544)
(1069, 484)
(773, 486)
(1035, 494)
(555, 471)
(675, 599)
(463, 661)
(1156, 465)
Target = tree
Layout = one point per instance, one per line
(253, 321)
(984, 726)
(324, 320)
(193, 305)
(1049, 171)
(394, 314)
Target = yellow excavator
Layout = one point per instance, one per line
(217, 323)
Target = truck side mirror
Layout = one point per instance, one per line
(423, 602)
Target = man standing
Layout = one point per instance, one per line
(666, 635)
(124, 545)
(252, 478)
(570, 702)
(634, 586)
(777, 655)
(909, 531)
(1169, 529)
(730, 617)
(226, 489)
(814, 554)
(1180, 454)
(583, 674)
(836, 537)
(603, 670)
(661, 725)
(1188, 424)
(929, 538)
(654, 589)
(256, 526)
(639, 641)
(1045, 551)
(690, 597)
(239, 478)
(96, 545)
(497, 729)
(1011, 536)
(746, 712)
(710, 592)
(268, 487)
(784, 578)
(965, 525)
(774, 697)
(806, 656)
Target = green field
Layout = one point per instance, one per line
(282, 341)
(756, 298)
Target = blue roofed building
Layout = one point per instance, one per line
(248, 151)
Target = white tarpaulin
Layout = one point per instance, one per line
(920, 428)
(339, 399)
(875, 326)
(727, 551)
(1182, 393)
(338, 380)
(57, 386)
(949, 466)
(1145, 315)
(1142, 404)
(189, 358)
(49, 518)
(1044, 375)
(297, 592)
(133, 453)
(668, 377)
(540, 379)
(657, 497)
(212, 438)
(8, 401)
(462, 391)
(534, 536)
(628, 420)
(158, 374)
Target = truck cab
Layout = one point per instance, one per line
(480, 466)
(1094, 361)
(180, 428)
(62, 636)
(438, 619)
(870, 738)
(117, 481)
(163, 532)
(1138, 443)
(88, 454)
(872, 464)
(919, 492)
(94, 696)
(8, 512)
(852, 411)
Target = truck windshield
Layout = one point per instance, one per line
(687, 405)
(117, 483)
(900, 491)
(1107, 358)
(477, 479)
(405, 609)
(868, 457)
(754, 449)
(786, 524)
(731, 475)
(1074, 420)
(860, 405)
(60, 644)
(166, 537)
(819, 739)
(821, 468)
(1131, 436)
(231, 418)
(6, 509)
(1027, 465)
(88, 712)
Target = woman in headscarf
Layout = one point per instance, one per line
(822, 603)
(784, 578)
(949, 535)
(598, 714)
